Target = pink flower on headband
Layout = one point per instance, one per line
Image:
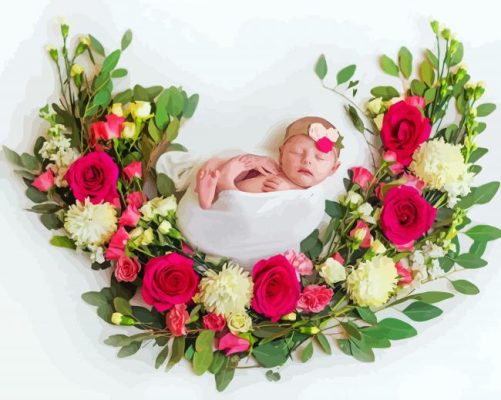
(324, 137)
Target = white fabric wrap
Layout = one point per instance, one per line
(245, 226)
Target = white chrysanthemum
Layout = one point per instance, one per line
(227, 292)
(371, 284)
(439, 164)
(91, 225)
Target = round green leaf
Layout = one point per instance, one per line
(465, 287)
(484, 233)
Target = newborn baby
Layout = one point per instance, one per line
(308, 155)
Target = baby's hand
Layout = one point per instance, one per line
(264, 165)
(275, 183)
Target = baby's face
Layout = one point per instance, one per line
(305, 165)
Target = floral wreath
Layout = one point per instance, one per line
(394, 229)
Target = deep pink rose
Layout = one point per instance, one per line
(176, 320)
(405, 274)
(116, 247)
(94, 176)
(231, 344)
(362, 177)
(130, 217)
(44, 181)
(404, 129)
(276, 287)
(169, 280)
(314, 298)
(106, 130)
(300, 262)
(406, 215)
(214, 322)
(135, 199)
(127, 269)
(133, 170)
(367, 240)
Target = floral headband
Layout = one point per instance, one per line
(325, 138)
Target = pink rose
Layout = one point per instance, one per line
(404, 129)
(118, 241)
(367, 240)
(416, 101)
(44, 181)
(300, 262)
(130, 217)
(101, 130)
(413, 181)
(406, 215)
(338, 257)
(214, 322)
(379, 190)
(276, 287)
(409, 246)
(391, 158)
(127, 269)
(405, 274)
(362, 177)
(94, 176)
(135, 199)
(169, 280)
(231, 344)
(314, 298)
(133, 170)
(176, 320)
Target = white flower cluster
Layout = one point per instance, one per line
(57, 149)
(424, 263)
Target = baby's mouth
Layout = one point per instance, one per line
(305, 171)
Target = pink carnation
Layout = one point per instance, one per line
(118, 241)
(135, 199)
(44, 181)
(176, 320)
(314, 298)
(301, 263)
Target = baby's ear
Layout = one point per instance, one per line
(335, 167)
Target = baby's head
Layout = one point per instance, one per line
(310, 151)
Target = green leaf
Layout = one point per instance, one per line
(478, 248)
(272, 376)
(361, 352)
(12, 156)
(432, 58)
(388, 65)
(386, 92)
(351, 329)
(190, 106)
(102, 98)
(307, 352)
(35, 195)
(484, 233)
(419, 311)
(271, 354)
(479, 195)
(172, 129)
(62, 241)
(417, 87)
(129, 349)
(140, 93)
(391, 328)
(123, 97)
(345, 74)
(457, 56)
(323, 342)
(483, 110)
(310, 241)
(126, 39)
(154, 91)
(405, 62)
(122, 306)
(465, 287)
(165, 185)
(468, 260)
(154, 132)
(94, 298)
(367, 315)
(217, 362)
(110, 62)
(51, 221)
(345, 346)
(96, 45)
(376, 342)
(355, 118)
(161, 115)
(175, 103)
(432, 297)
(29, 162)
(177, 351)
(204, 340)
(426, 73)
(119, 73)
(117, 340)
(46, 208)
(225, 375)
(105, 311)
(203, 355)
(321, 67)
(162, 356)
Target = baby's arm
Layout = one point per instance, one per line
(275, 183)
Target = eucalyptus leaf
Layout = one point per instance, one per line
(405, 62)
(51, 221)
(420, 311)
(126, 39)
(321, 67)
(345, 74)
(122, 306)
(129, 349)
(385, 92)
(483, 110)
(62, 241)
(388, 65)
(468, 260)
(484, 233)
(307, 352)
(465, 287)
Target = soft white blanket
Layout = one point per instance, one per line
(245, 226)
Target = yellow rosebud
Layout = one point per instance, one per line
(377, 247)
(116, 109)
(239, 322)
(85, 40)
(140, 109)
(128, 129)
(164, 227)
(332, 271)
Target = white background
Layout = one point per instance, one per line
(252, 64)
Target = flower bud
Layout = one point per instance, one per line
(289, 317)
(52, 52)
(309, 330)
(128, 130)
(147, 237)
(377, 247)
(116, 109)
(434, 26)
(446, 33)
(165, 227)
(120, 319)
(76, 69)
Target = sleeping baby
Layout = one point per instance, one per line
(307, 156)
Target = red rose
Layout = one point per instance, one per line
(276, 287)
(406, 215)
(169, 280)
(176, 320)
(214, 322)
(94, 176)
(404, 129)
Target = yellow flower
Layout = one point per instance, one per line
(332, 271)
(140, 109)
(76, 69)
(371, 284)
(239, 322)
(116, 109)
(227, 292)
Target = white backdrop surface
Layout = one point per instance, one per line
(252, 64)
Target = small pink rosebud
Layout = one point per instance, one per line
(133, 170)
(405, 274)
(362, 177)
(355, 233)
(231, 344)
(44, 181)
